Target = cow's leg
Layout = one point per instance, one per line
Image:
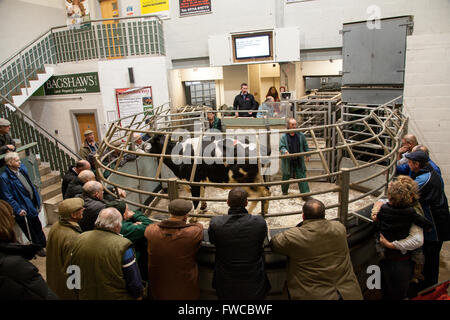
(195, 192)
(202, 195)
(265, 193)
(252, 193)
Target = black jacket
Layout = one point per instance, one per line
(68, 177)
(92, 209)
(395, 222)
(247, 103)
(239, 268)
(434, 203)
(20, 279)
(5, 139)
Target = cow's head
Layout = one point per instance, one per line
(157, 143)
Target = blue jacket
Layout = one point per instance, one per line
(13, 192)
(404, 169)
(434, 203)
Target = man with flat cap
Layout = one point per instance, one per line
(172, 248)
(435, 207)
(61, 239)
(89, 144)
(7, 144)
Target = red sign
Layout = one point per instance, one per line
(190, 7)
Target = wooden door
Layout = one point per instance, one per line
(111, 31)
(86, 121)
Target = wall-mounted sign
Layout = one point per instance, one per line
(131, 101)
(190, 7)
(72, 84)
(159, 7)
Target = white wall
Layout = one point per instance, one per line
(233, 76)
(151, 71)
(21, 22)
(53, 112)
(427, 95)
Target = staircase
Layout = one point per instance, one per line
(33, 84)
(51, 194)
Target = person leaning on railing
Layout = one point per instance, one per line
(7, 144)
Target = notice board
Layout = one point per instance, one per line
(131, 101)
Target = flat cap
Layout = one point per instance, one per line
(120, 205)
(179, 207)
(88, 132)
(69, 206)
(418, 155)
(4, 122)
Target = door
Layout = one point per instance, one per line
(111, 32)
(86, 121)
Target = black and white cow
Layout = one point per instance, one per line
(220, 170)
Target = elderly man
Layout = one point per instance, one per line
(404, 168)
(93, 203)
(133, 228)
(17, 189)
(75, 187)
(61, 239)
(73, 172)
(409, 141)
(7, 144)
(106, 260)
(294, 167)
(319, 265)
(89, 144)
(239, 271)
(172, 248)
(435, 207)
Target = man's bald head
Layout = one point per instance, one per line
(313, 209)
(86, 175)
(82, 165)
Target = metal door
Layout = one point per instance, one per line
(375, 56)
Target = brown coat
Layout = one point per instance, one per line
(172, 264)
(319, 261)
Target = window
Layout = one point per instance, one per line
(200, 93)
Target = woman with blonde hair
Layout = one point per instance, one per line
(394, 221)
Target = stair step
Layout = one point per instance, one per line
(44, 169)
(51, 191)
(50, 178)
(51, 208)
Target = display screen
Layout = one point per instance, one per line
(252, 46)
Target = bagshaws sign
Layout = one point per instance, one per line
(72, 84)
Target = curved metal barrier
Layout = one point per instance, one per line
(382, 126)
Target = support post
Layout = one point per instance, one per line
(344, 184)
(172, 189)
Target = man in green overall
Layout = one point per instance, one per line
(294, 167)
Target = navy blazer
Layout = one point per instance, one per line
(13, 192)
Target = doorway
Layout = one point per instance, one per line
(85, 121)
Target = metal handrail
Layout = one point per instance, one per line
(41, 128)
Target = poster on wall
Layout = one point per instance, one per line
(157, 7)
(77, 12)
(191, 7)
(133, 100)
